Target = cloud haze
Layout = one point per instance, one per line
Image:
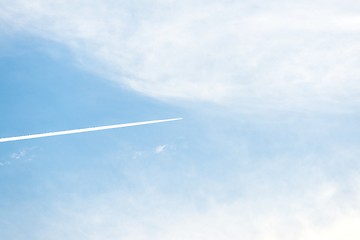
(249, 55)
(219, 174)
(304, 204)
(160, 149)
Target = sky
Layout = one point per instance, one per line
(268, 147)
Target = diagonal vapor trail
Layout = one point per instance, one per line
(82, 130)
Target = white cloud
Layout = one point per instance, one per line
(22, 154)
(4, 163)
(151, 216)
(26, 154)
(160, 148)
(19, 154)
(248, 54)
(137, 154)
(298, 199)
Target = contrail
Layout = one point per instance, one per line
(82, 130)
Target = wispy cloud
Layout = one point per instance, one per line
(26, 154)
(160, 148)
(305, 202)
(137, 154)
(153, 216)
(4, 163)
(19, 155)
(248, 55)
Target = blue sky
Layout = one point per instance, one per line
(268, 147)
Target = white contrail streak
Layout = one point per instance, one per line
(82, 130)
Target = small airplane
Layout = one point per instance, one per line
(82, 130)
